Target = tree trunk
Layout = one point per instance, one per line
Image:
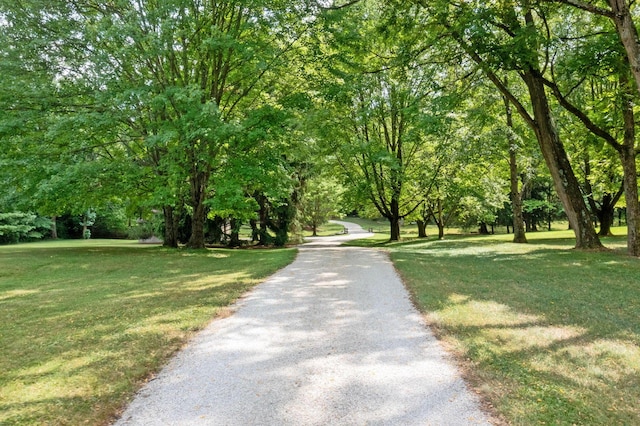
(422, 228)
(234, 240)
(605, 216)
(440, 221)
(483, 229)
(395, 228)
(394, 220)
(255, 233)
(170, 227)
(557, 161)
(633, 206)
(315, 229)
(628, 34)
(628, 159)
(263, 218)
(519, 235)
(54, 227)
(198, 181)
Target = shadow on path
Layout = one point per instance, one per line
(332, 339)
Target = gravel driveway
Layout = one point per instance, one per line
(332, 339)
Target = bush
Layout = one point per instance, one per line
(17, 227)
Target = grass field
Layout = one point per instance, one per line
(547, 334)
(82, 324)
(325, 229)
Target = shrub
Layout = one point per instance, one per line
(19, 226)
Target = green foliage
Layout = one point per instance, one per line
(320, 202)
(17, 226)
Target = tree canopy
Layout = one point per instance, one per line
(219, 114)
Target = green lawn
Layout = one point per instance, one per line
(84, 323)
(326, 229)
(547, 334)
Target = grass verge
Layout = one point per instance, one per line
(548, 335)
(84, 323)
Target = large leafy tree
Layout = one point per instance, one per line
(172, 84)
(378, 111)
(503, 40)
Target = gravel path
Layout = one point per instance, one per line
(332, 339)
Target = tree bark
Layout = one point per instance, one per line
(198, 181)
(234, 240)
(565, 181)
(519, 235)
(628, 158)
(422, 228)
(395, 228)
(628, 34)
(483, 230)
(394, 220)
(605, 215)
(54, 227)
(439, 220)
(170, 227)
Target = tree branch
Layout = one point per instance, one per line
(343, 6)
(580, 115)
(586, 7)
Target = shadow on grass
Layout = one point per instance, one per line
(89, 323)
(552, 334)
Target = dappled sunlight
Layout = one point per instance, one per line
(218, 255)
(529, 337)
(462, 311)
(546, 331)
(205, 282)
(10, 294)
(497, 250)
(142, 295)
(595, 364)
(84, 321)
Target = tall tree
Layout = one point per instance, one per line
(502, 38)
(176, 80)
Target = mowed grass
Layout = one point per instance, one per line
(325, 230)
(547, 334)
(83, 324)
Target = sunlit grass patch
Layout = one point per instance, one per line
(84, 322)
(549, 334)
(326, 229)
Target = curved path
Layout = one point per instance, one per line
(332, 339)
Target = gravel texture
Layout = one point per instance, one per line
(332, 339)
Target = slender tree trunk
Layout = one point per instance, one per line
(422, 228)
(394, 220)
(559, 166)
(255, 233)
(170, 227)
(519, 235)
(633, 206)
(54, 227)
(263, 218)
(315, 229)
(199, 181)
(440, 220)
(628, 159)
